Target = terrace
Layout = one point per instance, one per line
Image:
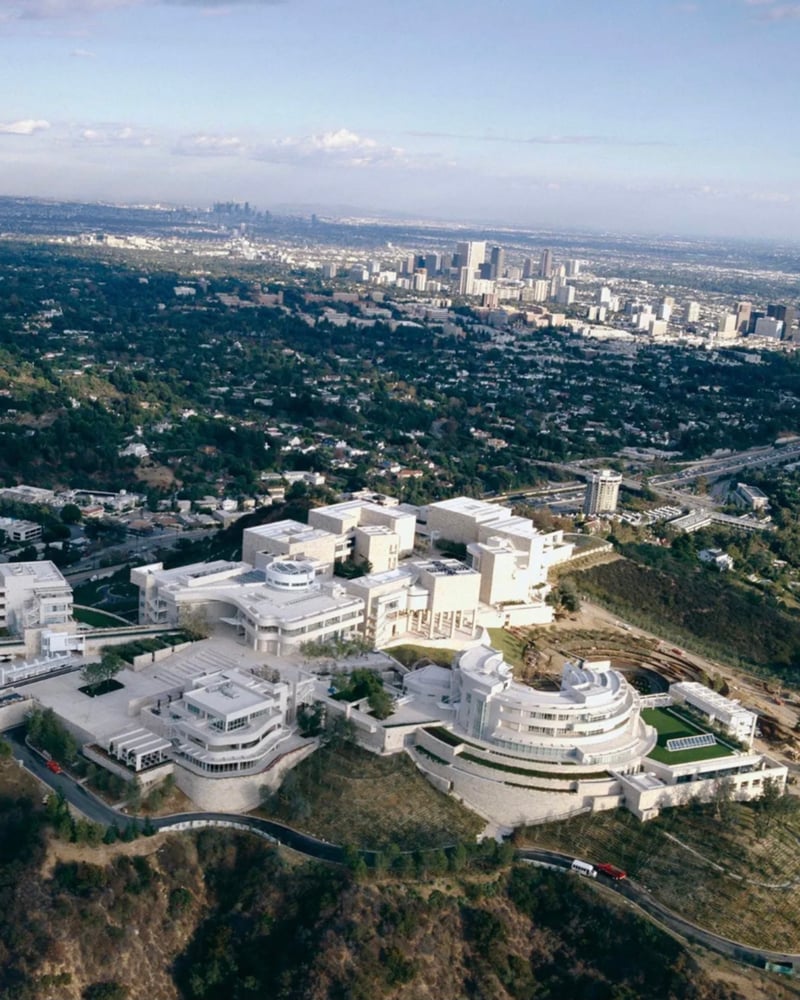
(672, 725)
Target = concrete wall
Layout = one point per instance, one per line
(146, 659)
(510, 805)
(647, 803)
(237, 793)
(15, 713)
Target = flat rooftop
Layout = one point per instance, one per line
(227, 694)
(117, 712)
(40, 572)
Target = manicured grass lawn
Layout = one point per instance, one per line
(672, 727)
(98, 619)
(409, 653)
(508, 644)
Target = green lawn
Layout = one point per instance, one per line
(671, 727)
(409, 654)
(508, 644)
(98, 619)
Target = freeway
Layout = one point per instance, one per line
(639, 895)
(717, 468)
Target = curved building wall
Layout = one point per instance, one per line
(593, 718)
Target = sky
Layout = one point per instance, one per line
(651, 116)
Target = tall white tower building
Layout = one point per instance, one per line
(471, 255)
(602, 492)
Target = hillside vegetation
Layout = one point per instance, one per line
(219, 915)
(729, 867)
(705, 611)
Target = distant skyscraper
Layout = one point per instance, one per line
(770, 327)
(433, 263)
(471, 255)
(573, 268)
(726, 326)
(602, 492)
(466, 281)
(743, 310)
(546, 264)
(527, 268)
(408, 263)
(692, 312)
(785, 314)
(541, 290)
(566, 295)
(497, 259)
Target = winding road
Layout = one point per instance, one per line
(638, 895)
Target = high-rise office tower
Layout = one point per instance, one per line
(546, 264)
(541, 290)
(433, 263)
(785, 314)
(408, 263)
(471, 255)
(527, 268)
(770, 327)
(573, 268)
(743, 310)
(497, 260)
(692, 312)
(602, 492)
(466, 281)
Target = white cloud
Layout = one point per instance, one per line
(340, 147)
(82, 54)
(115, 135)
(210, 145)
(27, 126)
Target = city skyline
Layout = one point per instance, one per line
(642, 120)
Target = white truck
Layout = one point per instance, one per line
(583, 868)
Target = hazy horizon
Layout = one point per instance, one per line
(674, 117)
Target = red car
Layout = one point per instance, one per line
(54, 766)
(611, 871)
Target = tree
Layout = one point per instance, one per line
(380, 703)
(194, 622)
(722, 797)
(71, 513)
(99, 673)
(310, 719)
